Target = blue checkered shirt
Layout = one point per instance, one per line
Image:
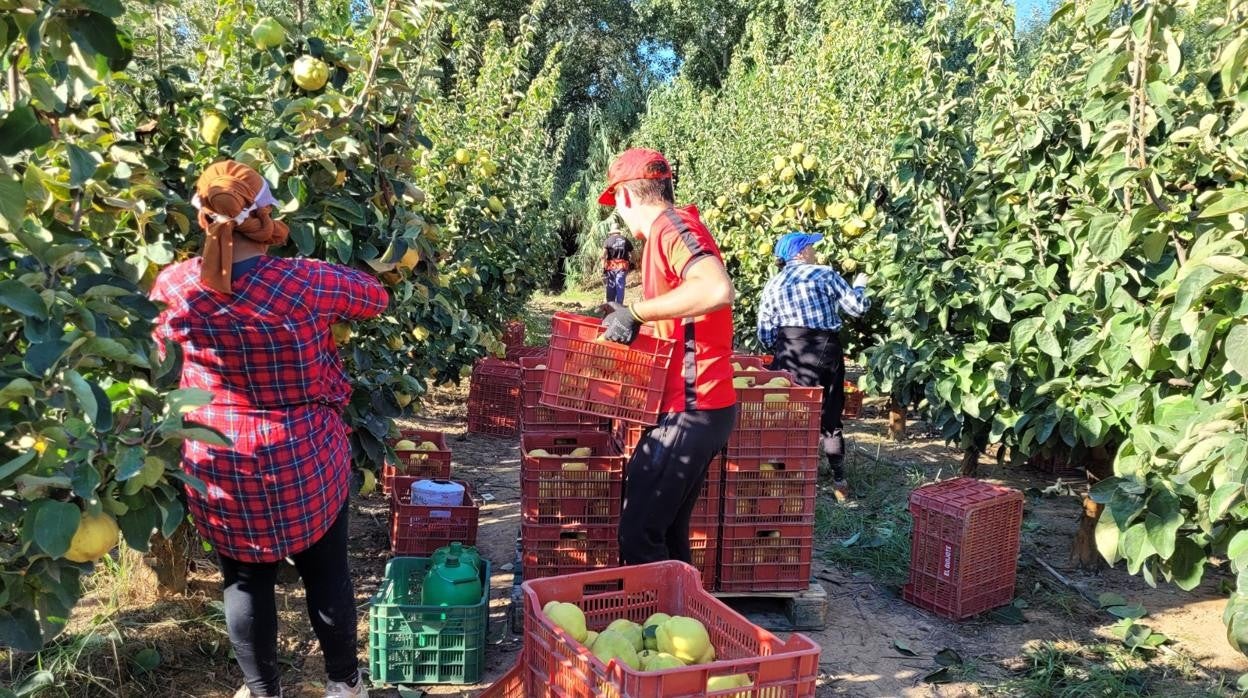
(807, 295)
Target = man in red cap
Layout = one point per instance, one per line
(687, 297)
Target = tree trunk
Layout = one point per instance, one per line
(970, 462)
(1083, 552)
(896, 421)
(170, 559)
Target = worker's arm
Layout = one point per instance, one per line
(705, 289)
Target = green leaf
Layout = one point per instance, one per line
(1155, 244)
(1131, 611)
(1224, 202)
(1188, 564)
(129, 462)
(108, 8)
(19, 629)
(19, 297)
(1162, 522)
(17, 388)
(54, 525)
(12, 202)
(43, 356)
(1108, 598)
(15, 465)
(1099, 10)
(1136, 547)
(22, 130)
(1223, 498)
(82, 391)
(82, 166)
(95, 33)
(1236, 348)
(139, 523)
(1192, 288)
(1048, 343)
(1024, 331)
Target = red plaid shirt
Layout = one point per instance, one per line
(267, 355)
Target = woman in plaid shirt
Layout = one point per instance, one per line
(255, 332)
(799, 321)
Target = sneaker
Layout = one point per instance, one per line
(342, 689)
(840, 489)
(245, 692)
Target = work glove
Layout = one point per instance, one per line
(622, 325)
(860, 281)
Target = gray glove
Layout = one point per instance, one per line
(860, 281)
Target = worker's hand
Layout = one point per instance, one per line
(860, 281)
(622, 325)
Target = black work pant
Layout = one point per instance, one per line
(663, 481)
(251, 609)
(815, 358)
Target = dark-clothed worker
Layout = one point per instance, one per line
(799, 321)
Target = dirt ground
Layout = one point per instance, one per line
(862, 651)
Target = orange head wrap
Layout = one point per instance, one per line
(224, 191)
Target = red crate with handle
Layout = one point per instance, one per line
(588, 374)
(551, 551)
(536, 417)
(561, 666)
(776, 421)
(765, 557)
(494, 398)
(964, 547)
(418, 529)
(562, 487)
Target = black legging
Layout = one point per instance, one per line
(251, 609)
(815, 357)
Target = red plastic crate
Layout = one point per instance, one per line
(964, 548)
(513, 334)
(494, 396)
(551, 551)
(747, 362)
(853, 401)
(605, 378)
(419, 530)
(509, 685)
(788, 429)
(414, 458)
(765, 557)
(430, 470)
(704, 544)
(769, 496)
(520, 353)
(536, 417)
(560, 666)
(627, 435)
(553, 495)
(712, 489)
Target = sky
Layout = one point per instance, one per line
(1025, 8)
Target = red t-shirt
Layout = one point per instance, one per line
(700, 377)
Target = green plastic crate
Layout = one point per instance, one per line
(409, 643)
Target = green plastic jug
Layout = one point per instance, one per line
(451, 584)
(467, 555)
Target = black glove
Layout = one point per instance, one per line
(622, 325)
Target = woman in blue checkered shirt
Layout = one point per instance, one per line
(799, 320)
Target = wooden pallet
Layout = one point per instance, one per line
(783, 611)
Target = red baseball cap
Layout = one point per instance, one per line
(635, 163)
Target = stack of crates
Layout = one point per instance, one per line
(494, 398)
(769, 483)
(571, 489)
(410, 642)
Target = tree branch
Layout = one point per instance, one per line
(374, 61)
